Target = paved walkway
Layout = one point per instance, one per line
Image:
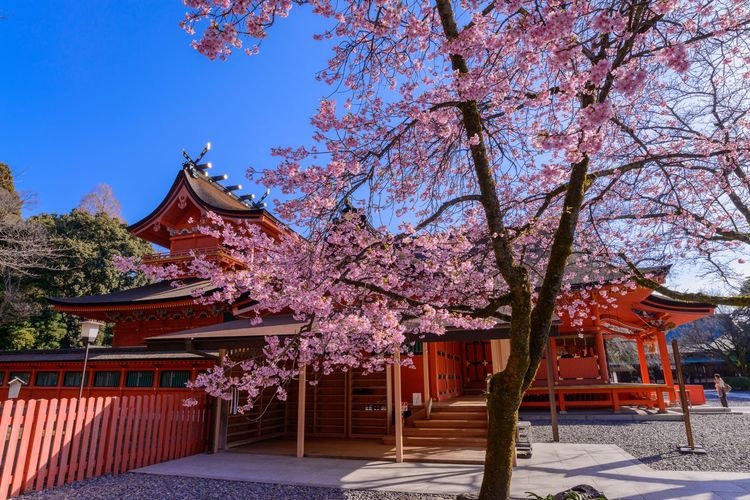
(553, 467)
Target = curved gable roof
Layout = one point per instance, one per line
(156, 293)
(204, 194)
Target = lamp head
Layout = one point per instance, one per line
(89, 330)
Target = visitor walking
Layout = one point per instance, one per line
(722, 388)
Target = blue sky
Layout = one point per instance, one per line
(104, 91)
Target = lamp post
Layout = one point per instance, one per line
(89, 331)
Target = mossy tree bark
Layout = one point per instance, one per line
(530, 322)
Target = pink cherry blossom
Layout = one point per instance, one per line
(485, 162)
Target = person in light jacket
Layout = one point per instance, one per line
(721, 389)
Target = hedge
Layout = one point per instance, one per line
(738, 383)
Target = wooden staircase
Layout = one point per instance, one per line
(449, 425)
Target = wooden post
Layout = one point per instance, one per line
(301, 411)
(552, 347)
(389, 397)
(601, 352)
(666, 364)
(690, 448)
(496, 352)
(551, 392)
(426, 372)
(216, 420)
(397, 404)
(643, 361)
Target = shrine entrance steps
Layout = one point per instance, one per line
(461, 422)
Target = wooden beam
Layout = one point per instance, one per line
(397, 404)
(301, 411)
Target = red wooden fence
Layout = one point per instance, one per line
(49, 443)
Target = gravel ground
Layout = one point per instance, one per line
(149, 487)
(725, 437)
(735, 398)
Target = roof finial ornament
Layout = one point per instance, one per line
(194, 166)
(249, 200)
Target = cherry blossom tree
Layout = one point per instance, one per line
(476, 159)
(101, 199)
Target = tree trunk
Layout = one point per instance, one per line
(503, 402)
(529, 328)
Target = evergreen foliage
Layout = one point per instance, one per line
(86, 245)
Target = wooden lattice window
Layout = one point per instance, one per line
(47, 379)
(174, 378)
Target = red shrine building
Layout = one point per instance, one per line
(163, 338)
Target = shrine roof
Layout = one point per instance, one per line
(214, 196)
(206, 194)
(603, 273)
(228, 334)
(663, 302)
(164, 291)
(96, 353)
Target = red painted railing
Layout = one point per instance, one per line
(49, 443)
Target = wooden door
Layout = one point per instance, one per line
(477, 363)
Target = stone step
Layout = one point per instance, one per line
(460, 408)
(458, 415)
(451, 424)
(709, 409)
(437, 432)
(439, 441)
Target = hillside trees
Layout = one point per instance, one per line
(85, 245)
(501, 151)
(724, 336)
(25, 249)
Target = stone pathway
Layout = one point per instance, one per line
(553, 467)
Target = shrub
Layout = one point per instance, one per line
(738, 383)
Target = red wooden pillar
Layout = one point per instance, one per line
(397, 401)
(602, 356)
(552, 351)
(642, 361)
(426, 372)
(601, 351)
(432, 362)
(301, 411)
(666, 364)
